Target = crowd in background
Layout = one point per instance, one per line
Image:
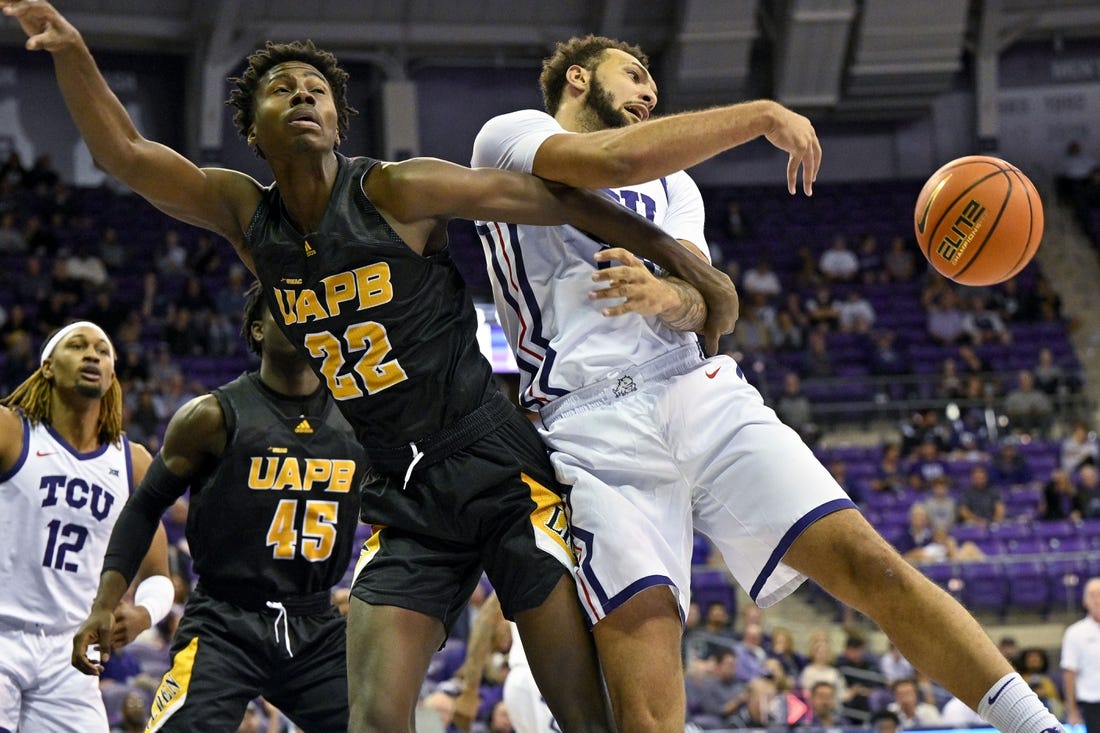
(173, 310)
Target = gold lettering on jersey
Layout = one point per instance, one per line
(368, 286)
(301, 474)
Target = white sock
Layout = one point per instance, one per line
(1013, 707)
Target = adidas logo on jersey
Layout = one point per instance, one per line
(303, 428)
(309, 250)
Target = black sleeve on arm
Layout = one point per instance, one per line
(137, 522)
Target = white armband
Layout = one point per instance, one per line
(157, 594)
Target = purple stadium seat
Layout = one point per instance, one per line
(1060, 529)
(1065, 577)
(1028, 587)
(713, 586)
(984, 586)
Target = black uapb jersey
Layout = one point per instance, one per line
(276, 516)
(392, 332)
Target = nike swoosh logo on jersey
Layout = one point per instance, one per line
(47, 453)
(993, 698)
(928, 206)
(712, 375)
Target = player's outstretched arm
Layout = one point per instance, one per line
(424, 189)
(195, 434)
(661, 146)
(215, 199)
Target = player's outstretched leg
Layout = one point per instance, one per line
(844, 554)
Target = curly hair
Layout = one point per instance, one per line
(586, 52)
(254, 307)
(243, 97)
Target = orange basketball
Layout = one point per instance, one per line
(978, 220)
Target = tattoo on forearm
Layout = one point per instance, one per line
(690, 311)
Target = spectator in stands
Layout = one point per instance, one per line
(940, 506)
(861, 676)
(806, 275)
(736, 224)
(751, 653)
(143, 419)
(894, 666)
(21, 360)
(1078, 448)
(915, 709)
(154, 298)
(855, 314)
(886, 721)
(181, 334)
(824, 707)
(724, 692)
(946, 319)
(133, 366)
(797, 310)
(716, 624)
(12, 240)
(105, 309)
(871, 264)
(193, 297)
(1050, 303)
(760, 279)
(15, 320)
(171, 255)
(918, 532)
(957, 714)
(1005, 299)
(820, 668)
(795, 409)
(821, 309)
(34, 283)
(1049, 376)
(1028, 410)
(899, 261)
(752, 335)
(838, 263)
(112, 251)
(785, 334)
(971, 362)
(228, 299)
(41, 239)
(1034, 667)
(783, 651)
(981, 503)
(889, 359)
(984, 326)
(927, 464)
(942, 547)
(951, 385)
(890, 476)
(86, 266)
(1009, 467)
(133, 711)
(817, 360)
(759, 709)
(1059, 499)
(1088, 491)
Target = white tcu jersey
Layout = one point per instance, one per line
(57, 509)
(541, 276)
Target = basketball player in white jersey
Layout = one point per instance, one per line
(653, 438)
(66, 469)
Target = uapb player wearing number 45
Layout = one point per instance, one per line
(66, 469)
(273, 470)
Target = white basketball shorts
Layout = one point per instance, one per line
(677, 443)
(40, 690)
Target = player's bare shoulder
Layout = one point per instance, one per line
(240, 194)
(197, 428)
(11, 438)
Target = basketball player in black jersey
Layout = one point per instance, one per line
(272, 467)
(351, 254)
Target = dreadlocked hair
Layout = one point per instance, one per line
(254, 307)
(243, 97)
(585, 52)
(32, 398)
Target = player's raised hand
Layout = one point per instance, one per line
(795, 135)
(46, 29)
(96, 629)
